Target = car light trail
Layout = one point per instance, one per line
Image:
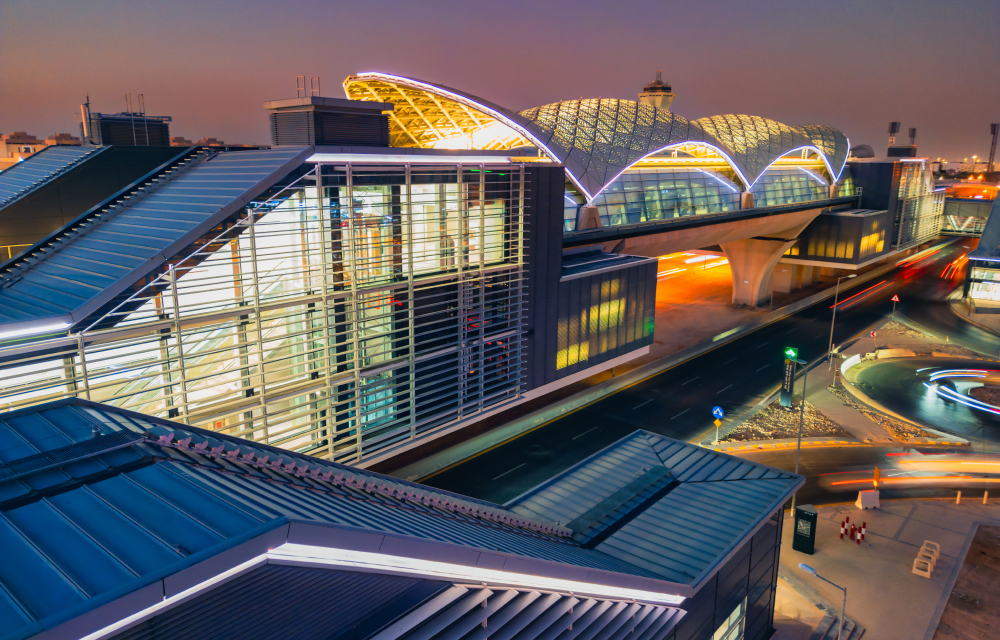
(868, 296)
(697, 259)
(857, 294)
(920, 479)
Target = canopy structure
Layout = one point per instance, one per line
(597, 139)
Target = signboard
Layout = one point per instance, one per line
(718, 423)
(895, 298)
(804, 539)
(788, 378)
(878, 474)
(718, 412)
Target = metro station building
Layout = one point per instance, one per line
(399, 263)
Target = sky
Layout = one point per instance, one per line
(854, 65)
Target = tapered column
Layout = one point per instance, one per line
(752, 262)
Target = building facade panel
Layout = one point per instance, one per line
(296, 322)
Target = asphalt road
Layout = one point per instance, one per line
(678, 402)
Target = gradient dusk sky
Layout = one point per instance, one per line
(851, 64)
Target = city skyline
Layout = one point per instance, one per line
(855, 67)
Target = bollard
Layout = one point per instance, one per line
(841, 529)
(986, 494)
(853, 531)
(958, 498)
(864, 526)
(858, 537)
(848, 520)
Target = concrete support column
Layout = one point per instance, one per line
(587, 217)
(785, 278)
(752, 262)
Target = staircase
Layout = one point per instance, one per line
(829, 626)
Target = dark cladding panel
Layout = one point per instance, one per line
(544, 189)
(878, 181)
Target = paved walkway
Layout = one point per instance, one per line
(883, 595)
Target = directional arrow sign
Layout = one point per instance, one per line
(792, 353)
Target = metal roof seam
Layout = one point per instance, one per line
(314, 474)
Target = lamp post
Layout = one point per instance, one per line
(836, 296)
(843, 609)
(802, 416)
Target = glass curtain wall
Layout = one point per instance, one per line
(919, 209)
(356, 308)
(645, 195)
(788, 185)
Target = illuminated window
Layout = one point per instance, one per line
(733, 626)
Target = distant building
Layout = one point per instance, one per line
(211, 142)
(178, 141)
(19, 145)
(125, 128)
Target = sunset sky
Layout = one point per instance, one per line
(851, 64)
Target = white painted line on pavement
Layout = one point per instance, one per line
(691, 380)
(721, 390)
(513, 470)
(583, 434)
(681, 413)
(764, 367)
(728, 361)
(643, 404)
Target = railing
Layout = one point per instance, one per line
(9, 251)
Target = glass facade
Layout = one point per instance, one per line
(353, 308)
(919, 209)
(646, 195)
(788, 185)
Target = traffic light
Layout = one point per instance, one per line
(792, 353)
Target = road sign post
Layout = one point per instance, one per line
(719, 414)
(802, 417)
(874, 343)
(788, 379)
(895, 299)
(878, 474)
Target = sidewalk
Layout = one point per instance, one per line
(883, 595)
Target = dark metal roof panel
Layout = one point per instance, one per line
(686, 532)
(36, 170)
(141, 236)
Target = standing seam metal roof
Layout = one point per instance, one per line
(716, 501)
(87, 266)
(35, 170)
(80, 531)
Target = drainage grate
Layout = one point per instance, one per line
(69, 453)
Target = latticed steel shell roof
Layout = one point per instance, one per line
(599, 139)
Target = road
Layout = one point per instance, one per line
(678, 402)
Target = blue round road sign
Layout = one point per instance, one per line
(718, 412)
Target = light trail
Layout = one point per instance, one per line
(857, 294)
(868, 296)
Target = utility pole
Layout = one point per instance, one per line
(802, 417)
(994, 131)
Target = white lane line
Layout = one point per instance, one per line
(681, 413)
(513, 470)
(728, 361)
(721, 390)
(691, 380)
(579, 435)
(791, 330)
(643, 404)
(764, 367)
(763, 343)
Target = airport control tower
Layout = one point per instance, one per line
(657, 94)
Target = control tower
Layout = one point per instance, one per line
(657, 94)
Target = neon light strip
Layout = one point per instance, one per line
(299, 553)
(34, 330)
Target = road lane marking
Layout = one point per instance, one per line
(681, 413)
(791, 330)
(721, 390)
(763, 343)
(764, 367)
(728, 361)
(513, 470)
(583, 434)
(691, 380)
(643, 404)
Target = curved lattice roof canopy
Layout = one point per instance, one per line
(833, 144)
(754, 143)
(598, 139)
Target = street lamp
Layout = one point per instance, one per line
(836, 295)
(802, 415)
(843, 610)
